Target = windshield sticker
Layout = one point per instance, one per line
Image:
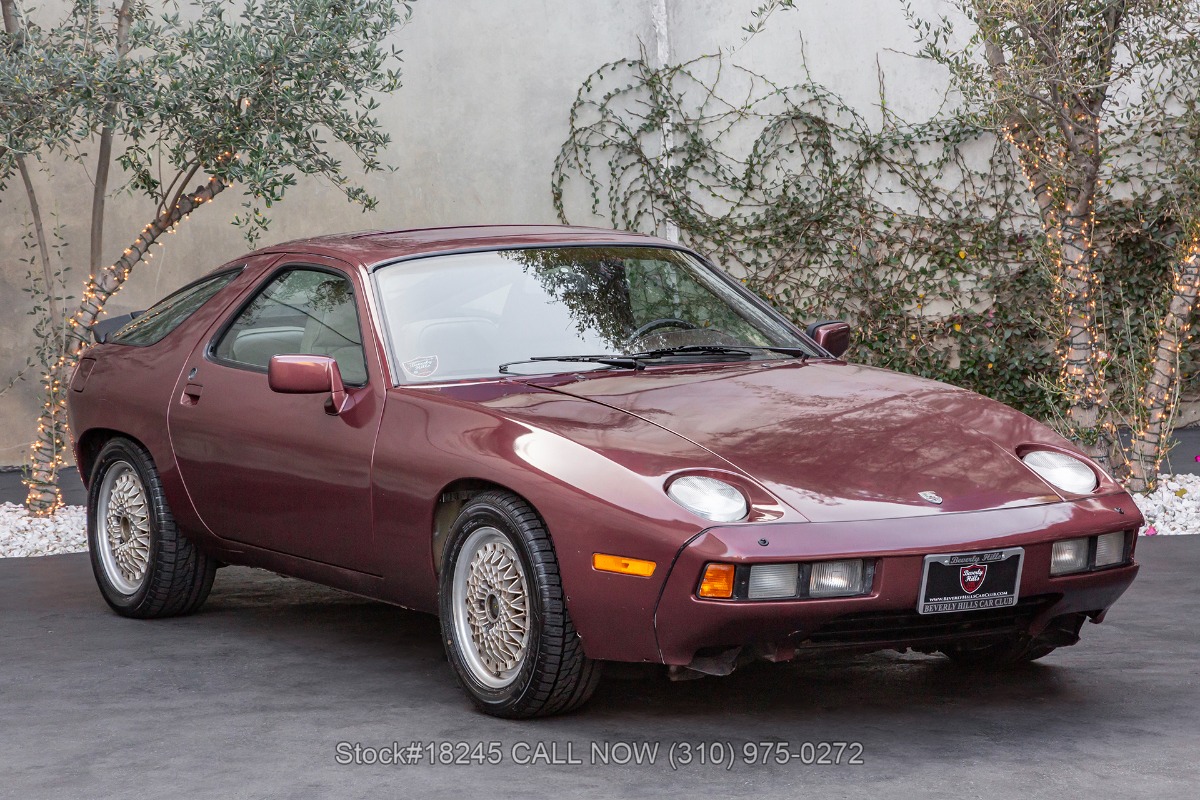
(421, 367)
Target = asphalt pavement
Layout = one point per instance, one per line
(1185, 455)
(13, 491)
(259, 694)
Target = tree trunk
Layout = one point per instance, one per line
(47, 451)
(1160, 392)
(1083, 374)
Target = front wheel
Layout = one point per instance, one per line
(144, 566)
(504, 619)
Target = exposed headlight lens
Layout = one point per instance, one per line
(708, 497)
(772, 581)
(1110, 549)
(836, 578)
(1067, 473)
(1069, 555)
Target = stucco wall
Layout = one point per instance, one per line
(476, 127)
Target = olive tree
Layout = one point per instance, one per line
(1098, 99)
(187, 104)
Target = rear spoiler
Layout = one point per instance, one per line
(101, 330)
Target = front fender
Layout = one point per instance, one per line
(593, 473)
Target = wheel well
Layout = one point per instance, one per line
(450, 502)
(91, 443)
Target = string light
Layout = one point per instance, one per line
(49, 446)
(1160, 395)
(1083, 379)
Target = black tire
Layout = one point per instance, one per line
(554, 676)
(998, 655)
(177, 576)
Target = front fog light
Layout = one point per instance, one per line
(1069, 555)
(772, 581)
(1110, 549)
(836, 578)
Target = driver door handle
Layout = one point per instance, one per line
(191, 394)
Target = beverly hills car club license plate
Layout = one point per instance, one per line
(970, 581)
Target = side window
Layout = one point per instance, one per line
(301, 311)
(169, 313)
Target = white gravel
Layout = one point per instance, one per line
(1173, 507)
(1170, 510)
(24, 535)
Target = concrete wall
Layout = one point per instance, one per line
(476, 128)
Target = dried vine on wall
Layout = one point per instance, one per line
(921, 234)
(908, 231)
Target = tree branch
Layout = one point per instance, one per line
(39, 230)
(1114, 16)
(168, 199)
(12, 28)
(11, 22)
(104, 158)
(106, 283)
(1030, 146)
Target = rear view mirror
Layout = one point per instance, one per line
(833, 335)
(304, 374)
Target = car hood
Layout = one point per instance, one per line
(839, 442)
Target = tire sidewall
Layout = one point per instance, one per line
(474, 517)
(113, 453)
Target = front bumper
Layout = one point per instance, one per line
(886, 617)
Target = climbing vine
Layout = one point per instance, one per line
(922, 235)
(910, 232)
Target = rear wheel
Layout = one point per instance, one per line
(144, 566)
(504, 619)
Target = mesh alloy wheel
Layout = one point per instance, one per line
(505, 625)
(491, 607)
(144, 566)
(123, 516)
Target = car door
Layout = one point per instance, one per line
(279, 471)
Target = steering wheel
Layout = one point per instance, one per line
(657, 324)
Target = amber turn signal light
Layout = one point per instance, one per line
(625, 566)
(718, 581)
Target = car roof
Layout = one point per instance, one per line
(374, 247)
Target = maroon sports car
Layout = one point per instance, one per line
(576, 446)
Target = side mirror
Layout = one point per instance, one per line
(833, 335)
(302, 374)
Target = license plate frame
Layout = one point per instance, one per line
(999, 580)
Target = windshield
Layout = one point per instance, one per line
(463, 315)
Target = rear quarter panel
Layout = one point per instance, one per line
(130, 388)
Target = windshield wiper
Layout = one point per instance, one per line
(628, 362)
(634, 360)
(703, 349)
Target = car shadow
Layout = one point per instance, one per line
(832, 682)
(816, 685)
